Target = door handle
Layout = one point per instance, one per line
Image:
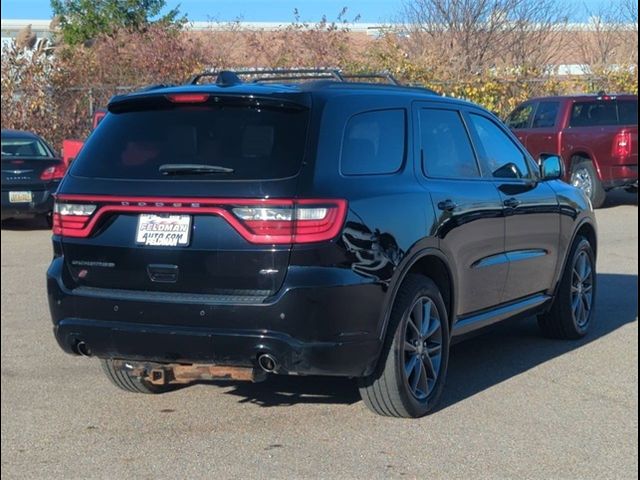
(511, 202)
(447, 205)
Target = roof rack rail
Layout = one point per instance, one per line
(269, 75)
(227, 78)
(381, 75)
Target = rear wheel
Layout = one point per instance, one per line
(413, 366)
(131, 383)
(572, 309)
(585, 177)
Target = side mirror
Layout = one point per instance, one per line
(551, 167)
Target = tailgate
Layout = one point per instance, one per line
(173, 197)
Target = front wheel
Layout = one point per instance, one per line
(585, 177)
(413, 366)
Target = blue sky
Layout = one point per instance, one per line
(264, 10)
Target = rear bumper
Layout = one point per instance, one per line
(620, 176)
(42, 204)
(328, 328)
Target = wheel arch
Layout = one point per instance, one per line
(586, 229)
(431, 263)
(583, 154)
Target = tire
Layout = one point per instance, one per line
(48, 219)
(564, 320)
(389, 390)
(131, 383)
(585, 177)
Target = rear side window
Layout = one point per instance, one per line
(446, 149)
(546, 114)
(254, 143)
(498, 152)
(589, 114)
(520, 117)
(374, 143)
(628, 112)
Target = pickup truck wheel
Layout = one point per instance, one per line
(572, 309)
(585, 177)
(130, 383)
(413, 365)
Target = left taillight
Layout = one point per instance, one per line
(55, 172)
(71, 219)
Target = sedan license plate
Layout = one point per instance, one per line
(163, 230)
(20, 197)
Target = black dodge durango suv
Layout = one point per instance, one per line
(320, 226)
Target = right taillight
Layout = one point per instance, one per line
(622, 145)
(301, 221)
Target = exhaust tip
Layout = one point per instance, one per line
(83, 349)
(267, 362)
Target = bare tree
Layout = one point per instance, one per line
(26, 38)
(598, 42)
(629, 10)
(538, 28)
(473, 34)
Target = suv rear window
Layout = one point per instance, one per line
(588, 114)
(256, 143)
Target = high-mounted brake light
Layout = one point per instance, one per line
(622, 145)
(188, 97)
(53, 173)
(258, 221)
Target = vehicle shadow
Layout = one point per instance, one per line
(618, 197)
(25, 224)
(476, 364)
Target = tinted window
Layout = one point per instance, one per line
(374, 143)
(628, 112)
(446, 149)
(520, 117)
(255, 143)
(499, 154)
(24, 147)
(546, 114)
(588, 114)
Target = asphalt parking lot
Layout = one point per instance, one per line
(516, 405)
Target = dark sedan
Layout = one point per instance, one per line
(31, 172)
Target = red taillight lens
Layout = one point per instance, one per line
(53, 173)
(622, 145)
(71, 219)
(303, 221)
(188, 97)
(259, 221)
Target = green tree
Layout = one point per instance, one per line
(82, 21)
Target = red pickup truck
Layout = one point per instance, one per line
(71, 147)
(596, 136)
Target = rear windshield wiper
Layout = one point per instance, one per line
(192, 169)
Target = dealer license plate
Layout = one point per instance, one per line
(20, 197)
(163, 230)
